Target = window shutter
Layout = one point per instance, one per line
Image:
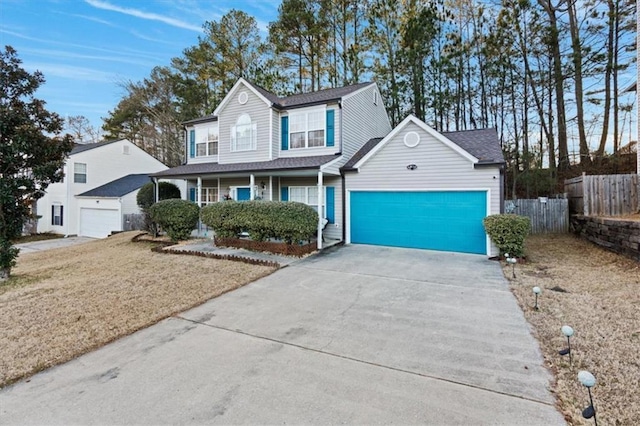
(284, 130)
(53, 214)
(192, 143)
(331, 204)
(192, 194)
(61, 215)
(284, 193)
(330, 127)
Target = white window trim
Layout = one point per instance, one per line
(202, 138)
(77, 173)
(254, 137)
(312, 201)
(306, 112)
(203, 191)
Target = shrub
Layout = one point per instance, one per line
(508, 232)
(146, 197)
(177, 217)
(288, 221)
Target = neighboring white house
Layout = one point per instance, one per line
(100, 186)
(335, 150)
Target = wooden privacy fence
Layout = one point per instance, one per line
(132, 222)
(603, 195)
(548, 215)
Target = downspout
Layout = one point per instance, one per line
(344, 206)
(68, 209)
(502, 189)
(320, 210)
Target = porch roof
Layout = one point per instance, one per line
(280, 164)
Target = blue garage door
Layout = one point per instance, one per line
(440, 220)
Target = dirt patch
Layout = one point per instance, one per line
(65, 302)
(598, 294)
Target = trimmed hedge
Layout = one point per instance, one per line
(177, 217)
(147, 197)
(287, 221)
(508, 232)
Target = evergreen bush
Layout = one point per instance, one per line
(508, 232)
(177, 217)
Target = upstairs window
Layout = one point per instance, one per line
(79, 172)
(244, 134)
(307, 129)
(207, 143)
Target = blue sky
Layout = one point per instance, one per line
(85, 48)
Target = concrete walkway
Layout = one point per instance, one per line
(356, 334)
(36, 246)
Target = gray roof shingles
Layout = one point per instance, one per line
(118, 187)
(293, 101)
(481, 143)
(78, 148)
(277, 164)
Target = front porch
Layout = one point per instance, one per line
(311, 186)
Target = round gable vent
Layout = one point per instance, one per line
(411, 139)
(243, 98)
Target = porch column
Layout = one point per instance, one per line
(252, 184)
(199, 192)
(156, 190)
(199, 201)
(270, 188)
(320, 209)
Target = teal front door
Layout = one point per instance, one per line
(438, 220)
(243, 194)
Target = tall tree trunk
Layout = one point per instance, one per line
(607, 82)
(585, 159)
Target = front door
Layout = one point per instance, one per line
(243, 194)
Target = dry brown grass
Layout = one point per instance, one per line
(65, 302)
(602, 304)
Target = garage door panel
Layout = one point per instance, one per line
(439, 220)
(99, 223)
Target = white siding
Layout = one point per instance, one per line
(258, 110)
(104, 164)
(438, 168)
(362, 120)
(129, 203)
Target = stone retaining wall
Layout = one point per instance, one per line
(620, 236)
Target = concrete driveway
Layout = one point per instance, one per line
(360, 334)
(36, 246)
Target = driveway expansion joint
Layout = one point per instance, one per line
(360, 361)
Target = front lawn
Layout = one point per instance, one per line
(598, 294)
(65, 302)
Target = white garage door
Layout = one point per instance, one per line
(99, 223)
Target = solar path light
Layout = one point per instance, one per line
(536, 291)
(512, 261)
(567, 331)
(588, 380)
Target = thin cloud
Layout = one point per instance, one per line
(143, 15)
(71, 72)
(155, 40)
(74, 55)
(132, 52)
(93, 19)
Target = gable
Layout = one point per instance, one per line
(411, 134)
(241, 86)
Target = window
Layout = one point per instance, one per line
(207, 143)
(56, 215)
(243, 134)
(306, 129)
(307, 195)
(208, 196)
(79, 173)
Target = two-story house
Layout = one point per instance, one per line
(100, 186)
(335, 150)
(256, 145)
